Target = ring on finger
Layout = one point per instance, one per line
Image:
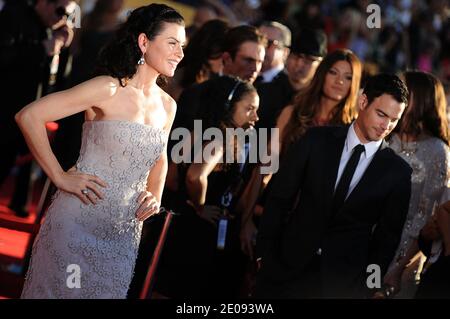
(85, 191)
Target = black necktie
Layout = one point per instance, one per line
(344, 183)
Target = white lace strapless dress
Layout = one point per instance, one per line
(97, 242)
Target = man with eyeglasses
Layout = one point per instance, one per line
(307, 51)
(277, 50)
(31, 34)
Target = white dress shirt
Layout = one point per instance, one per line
(366, 157)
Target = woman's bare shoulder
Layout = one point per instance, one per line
(287, 111)
(94, 91)
(103, 86)
(169, 103)
(284, 116)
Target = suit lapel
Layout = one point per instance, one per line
(334, 152)
(379, 164)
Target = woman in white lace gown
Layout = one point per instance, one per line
(421, 140)
(88, 243)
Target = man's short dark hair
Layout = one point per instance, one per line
(391, 84)
(238, 35)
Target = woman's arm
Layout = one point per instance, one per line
(32, 119)
(255, 187)
(150, 200)
(197, 175)
(157, 176)
(197, 182)
(247, 204)
(259, 181)
(394, 276)
(158, 173)
(436, 180)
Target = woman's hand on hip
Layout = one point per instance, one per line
(86, 187)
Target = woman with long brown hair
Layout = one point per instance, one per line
(421, 138)
(329, 99)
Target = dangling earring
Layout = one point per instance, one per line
(141, 60)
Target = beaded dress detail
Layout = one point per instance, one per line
(429, 157)
(97, 242)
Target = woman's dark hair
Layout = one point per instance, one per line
(306, 103)
(218, 104)
(119, 58)
(205, 44)
(428, 106)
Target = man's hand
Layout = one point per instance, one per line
(393, 279)
(210, 213)
(64, 34)
(61, 38)
(385, 292)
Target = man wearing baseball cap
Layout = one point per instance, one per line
(307, 51)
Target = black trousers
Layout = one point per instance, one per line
(307, 285)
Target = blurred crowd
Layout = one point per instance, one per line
(286, 64)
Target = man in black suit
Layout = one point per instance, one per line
(351, 193)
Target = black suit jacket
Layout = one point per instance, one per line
(365, 231)
(274, 96)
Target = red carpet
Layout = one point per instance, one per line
(13, 243)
